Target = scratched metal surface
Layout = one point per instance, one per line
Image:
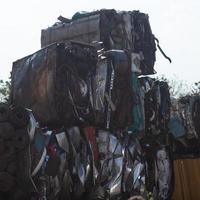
(33, 83)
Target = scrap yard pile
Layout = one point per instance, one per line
(86, 121)
(184, 126)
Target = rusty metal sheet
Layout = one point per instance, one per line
(33, 83)
(55, 83)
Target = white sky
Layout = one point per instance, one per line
(174, 22)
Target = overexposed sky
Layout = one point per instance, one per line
(174, 22)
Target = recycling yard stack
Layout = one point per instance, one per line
(98, 128)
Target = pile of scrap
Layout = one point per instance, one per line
(184, 126)
(184, 129)
(116, 30)
(102, 130)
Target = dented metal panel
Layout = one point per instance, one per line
(55, 83)
(33, 83)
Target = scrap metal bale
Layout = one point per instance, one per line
(55, 83)
(117, 30)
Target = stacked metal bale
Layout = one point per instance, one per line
(117, 30)
(97, 118)
(184, 126)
